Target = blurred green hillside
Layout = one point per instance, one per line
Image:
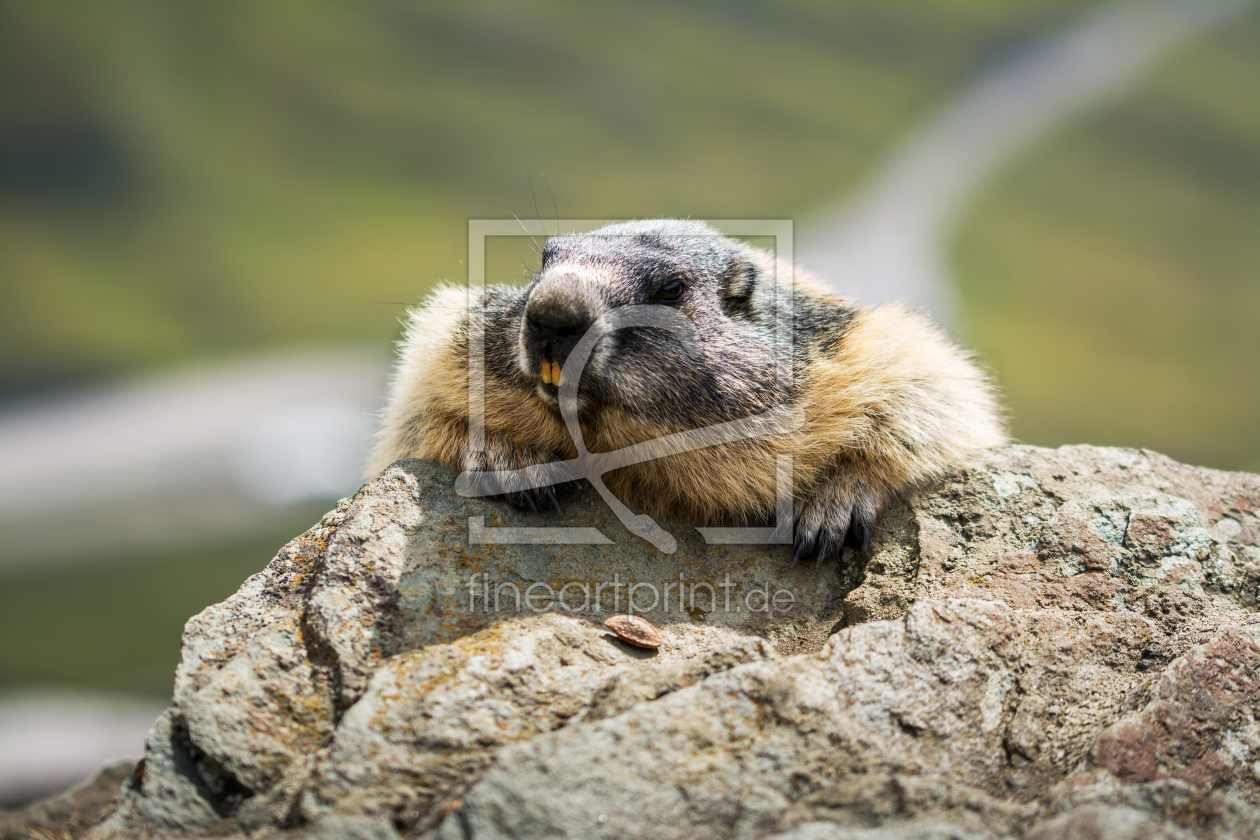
(1112, 280)
(184, 179)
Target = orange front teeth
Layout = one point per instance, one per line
(551, 374)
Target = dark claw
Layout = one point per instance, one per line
(802, 546)
(522, 500)
(531, 499)
(858, 536)
(549, 494)
(824, 551)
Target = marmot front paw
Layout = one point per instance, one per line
(525, 482)
(838, 512)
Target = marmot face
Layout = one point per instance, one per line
(723, 360)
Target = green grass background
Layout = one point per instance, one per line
(185, 180)
(1112, 279)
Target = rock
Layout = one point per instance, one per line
(906, 722)
(1053, 643)
(68, 813)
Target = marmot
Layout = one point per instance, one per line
(886, 402)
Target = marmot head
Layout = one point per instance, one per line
(666, 272)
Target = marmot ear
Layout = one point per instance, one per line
(738, 288)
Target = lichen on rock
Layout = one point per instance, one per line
(1050, 644)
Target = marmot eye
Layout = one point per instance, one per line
(671, 292)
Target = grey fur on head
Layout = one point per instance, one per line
(725, 288)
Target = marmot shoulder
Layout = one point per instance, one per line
(690, 330)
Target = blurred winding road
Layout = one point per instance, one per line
(888, 241)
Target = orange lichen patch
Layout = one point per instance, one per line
(488, 642)
(442, 677)
(294, 566)
(421, 672)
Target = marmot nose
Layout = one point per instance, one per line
(555, 332)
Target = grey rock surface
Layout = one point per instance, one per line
(1051, 644)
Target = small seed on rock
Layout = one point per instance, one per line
(635, 630)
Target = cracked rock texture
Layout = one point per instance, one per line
(1051, 644)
